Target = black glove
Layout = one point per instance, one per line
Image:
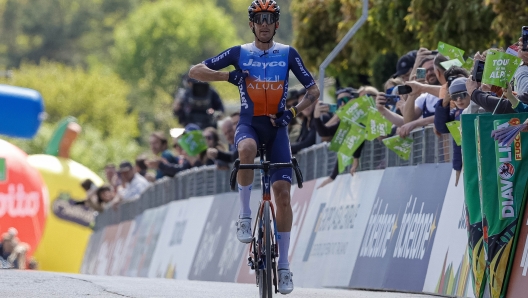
(236, 77)
(285, 118)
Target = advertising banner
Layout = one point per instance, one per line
(332, 235)
(147, 237)
(121, 244)
(179, 237)
(219, 232)
(106, 250)
(300, 201)
(448, 272)
(92, 251)
(503, 181)
(401, 228)
(475, 234)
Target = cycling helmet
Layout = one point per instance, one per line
(261, 6)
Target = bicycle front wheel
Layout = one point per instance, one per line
(267, 245)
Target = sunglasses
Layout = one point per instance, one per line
(267, 17)
(209, 138)
(459, 96)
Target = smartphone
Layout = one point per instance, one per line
(478, 70)
(450, 79)
(404, 89)
(332, 108)
(420, 73)
(434, 52)
(525, 38)
(391, 99)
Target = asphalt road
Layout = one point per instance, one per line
(14, 283)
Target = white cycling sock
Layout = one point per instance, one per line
(284, 246)
(244, 193)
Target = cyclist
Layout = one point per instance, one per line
(261, 75)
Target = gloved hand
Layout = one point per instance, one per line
(284, 119)
(237, 76)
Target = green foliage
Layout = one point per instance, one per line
(383, 67)
(96, 98)
(511, 16)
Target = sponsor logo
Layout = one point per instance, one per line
(415, 232)
(275, 51)
(380, 228)
(19, 203)
(505, 172)
(243, 99)
(177, 233)
(286, 177)
(517, 140)
(265, 64)
(265, 86)
(301, 67)
(64, 207)
(220, 57)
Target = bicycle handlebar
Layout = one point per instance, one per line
(293, 164)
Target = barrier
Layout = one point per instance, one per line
(401, 228)
(315, 162)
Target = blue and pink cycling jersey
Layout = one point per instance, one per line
(264, 92)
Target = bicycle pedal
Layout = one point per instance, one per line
(251, 264)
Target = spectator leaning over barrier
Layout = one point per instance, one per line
(395, 117)
(326, 130)
(419, 107)
(159, 146)
(133, 183)
(308, 134)
(106, 198)
(111, 175)
(405, 65)
(225, 156)
(213, 141)
(443, 114)
(481, 95)
(294, 128)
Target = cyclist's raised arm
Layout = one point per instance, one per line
(299, 70)
(208, 70)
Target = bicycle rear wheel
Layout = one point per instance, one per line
(267, 245)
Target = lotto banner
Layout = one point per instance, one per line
(180, 237)
(396, 246)
(448, 272)
(503, 180)
(328, 245)
(475, 235)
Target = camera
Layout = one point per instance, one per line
(450, 79)
(391, 99)
(478, 70)
(404, 89)
(525, 38)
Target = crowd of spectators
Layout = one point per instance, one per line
(436, 96)
(13, 252)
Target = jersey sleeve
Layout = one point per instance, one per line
(296, 65)
(225, 59)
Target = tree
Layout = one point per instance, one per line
(511, 15)
(97, 98)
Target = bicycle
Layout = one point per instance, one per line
(263, 249)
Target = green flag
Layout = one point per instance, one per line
(450, 51)
(503, 179)
(3, 169)
(339, 136)
(447, 64)
(499, 68)
(193, 142)
(454, 129)
(468, 65)
(400, 146)
(354, 138)
(477, 256)
(356, 110)
(377, 125)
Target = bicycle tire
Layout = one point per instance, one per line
(267, 238)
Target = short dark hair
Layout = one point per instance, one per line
(140, 162)
(87, 184)
(425, 60)
(439, 59)
(455, 71)
(100, 191)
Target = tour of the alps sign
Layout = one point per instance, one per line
(397, 244)
(499, 68)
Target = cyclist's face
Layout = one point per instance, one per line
(264, 31)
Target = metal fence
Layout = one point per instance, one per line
(315, 162)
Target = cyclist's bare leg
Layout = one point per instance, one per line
(281, 190)
(247, 151)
